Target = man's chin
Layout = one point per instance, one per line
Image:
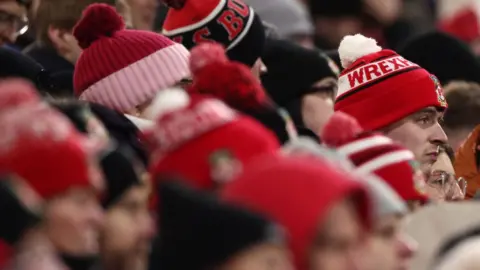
(426, 168)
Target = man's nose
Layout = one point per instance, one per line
(438, 135)
(457, 193)
(406, 246)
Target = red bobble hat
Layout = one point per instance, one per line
(297, 192)
(377, 154)
(232, 82)
(121, 68)
(379, 87)
(201, 139)
(41, 146)
(231, 23)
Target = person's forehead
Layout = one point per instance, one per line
(433, 111)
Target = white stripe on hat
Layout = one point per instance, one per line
(385, 160)
(363, 144)
(371, 72)
(141, 81)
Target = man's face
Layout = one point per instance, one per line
(389, 247)
(317, 107)
(340, 243)
(12, 20)
(73, 222)
(442, 184)
(421, 133)
(128, 230)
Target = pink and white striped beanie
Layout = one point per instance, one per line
(121, 68)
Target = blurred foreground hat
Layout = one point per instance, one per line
(196, 137)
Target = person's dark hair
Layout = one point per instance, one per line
(463, 105)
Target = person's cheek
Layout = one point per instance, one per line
(316, 112)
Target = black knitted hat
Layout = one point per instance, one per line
(292, 70)
(206, 232)
(122, 170)
(445, 56)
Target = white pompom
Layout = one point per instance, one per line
(166, 101)
(354, 47)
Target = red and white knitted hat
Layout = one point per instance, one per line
(379, 87)
(203, 140)
(17, 92)
(41, 146)
(460, 18)
(121, 68)
(374, 153)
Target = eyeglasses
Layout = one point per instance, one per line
(20, 24)
(447, 182)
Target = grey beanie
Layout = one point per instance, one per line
(385, 200)
(290, 17)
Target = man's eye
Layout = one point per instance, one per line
(424, 120)
(436, 182)
(440, 120)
